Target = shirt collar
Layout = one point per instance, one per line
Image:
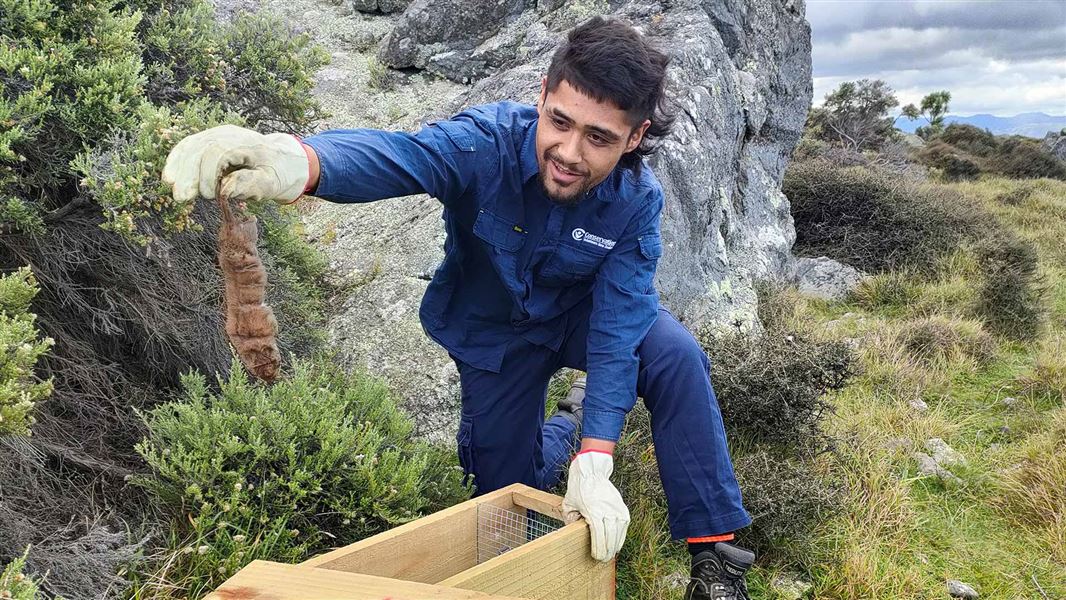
(528, 156)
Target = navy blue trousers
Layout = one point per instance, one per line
(503, 438)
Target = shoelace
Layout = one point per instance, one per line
(732, 590)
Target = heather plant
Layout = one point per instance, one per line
(95, 94)
(283, 472)
(15, 584)
(20, 347)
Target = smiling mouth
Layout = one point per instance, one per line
(563, 176)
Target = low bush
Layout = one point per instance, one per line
(772, 388)
(970, 139)
(1024, 158)
(281, 472)
(16, 585)
(875, 221)
(1015, 195)
(952, 163)
(786, 497)
(20, 347)
(965, 152)
(1011, 293)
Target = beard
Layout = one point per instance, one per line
(569, 198)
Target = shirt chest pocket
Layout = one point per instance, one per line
(499, 233)
(570, 264)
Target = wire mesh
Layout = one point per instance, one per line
(501, 529)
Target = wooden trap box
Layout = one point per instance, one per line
(510, 544)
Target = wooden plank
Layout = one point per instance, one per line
(263, 580)
(542, 502)
(554, 567)
(426, 550)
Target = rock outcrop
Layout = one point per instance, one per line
(1055, 143)
(740, 77)
(380, 6)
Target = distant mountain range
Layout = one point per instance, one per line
(1033, 124)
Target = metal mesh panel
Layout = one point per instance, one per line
(502, 529)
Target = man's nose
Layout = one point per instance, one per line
(570, 150)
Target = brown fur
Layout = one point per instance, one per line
(250, 323)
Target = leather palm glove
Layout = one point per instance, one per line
(272, 167)
(590, 494)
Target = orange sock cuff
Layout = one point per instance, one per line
(725, 537)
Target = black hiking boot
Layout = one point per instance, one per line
(570, 407)
(719, 574)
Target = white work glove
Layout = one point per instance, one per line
(590, 494)
(272, 167)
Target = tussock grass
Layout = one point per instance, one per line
(996, 398)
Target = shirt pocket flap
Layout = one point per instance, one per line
(460, 138)
(651, 245)
(498, 232)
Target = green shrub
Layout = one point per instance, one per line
(94, 95)
(20, 347)
(281, 472)
(1025, 158)
(875, 221)
(16, 585)
(953, 164)
(1011, 293)
(786, 498)
(88, 93)
(964, 152)
(970, 139)
(771, 388)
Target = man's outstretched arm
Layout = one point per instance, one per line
(342, 165)
(361, 165)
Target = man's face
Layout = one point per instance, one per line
(579, 141)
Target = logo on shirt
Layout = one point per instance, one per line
(581, 235)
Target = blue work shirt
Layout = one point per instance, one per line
(515, 262)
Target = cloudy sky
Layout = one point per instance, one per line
(995, 56)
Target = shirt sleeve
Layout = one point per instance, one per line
(441, 159)
(624, 306)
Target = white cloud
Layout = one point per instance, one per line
(999, 57)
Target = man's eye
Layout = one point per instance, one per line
(599, 141)
(559, 123)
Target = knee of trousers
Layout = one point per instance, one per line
(673, 356)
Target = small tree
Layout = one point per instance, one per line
(855, 115)
(934, 109)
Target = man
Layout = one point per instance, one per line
(553, 239)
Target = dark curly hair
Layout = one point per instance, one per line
(609, 60)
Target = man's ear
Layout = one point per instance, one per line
(638, 135)
(543, 93)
